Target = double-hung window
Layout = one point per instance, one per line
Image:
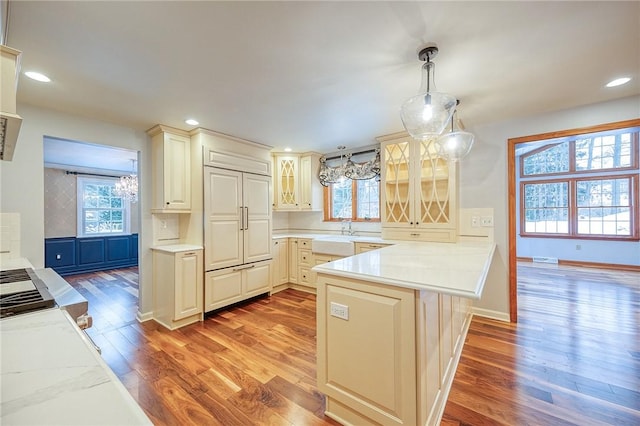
(100, 211)
(356, 200)
(584, 186)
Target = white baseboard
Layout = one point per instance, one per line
(144, 317)
(488, 313)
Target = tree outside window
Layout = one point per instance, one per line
(100, 210)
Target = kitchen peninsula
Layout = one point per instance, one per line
(391, 326)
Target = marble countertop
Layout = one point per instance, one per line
(450, 268)
(51, 375)
(354, 238)
(177, 248)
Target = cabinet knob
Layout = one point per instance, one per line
(168, 203)
(410, 223)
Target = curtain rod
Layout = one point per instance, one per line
(335, 157)
(89, 174)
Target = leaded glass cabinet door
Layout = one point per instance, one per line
(287, 176)
(396, 181)
(434, 189)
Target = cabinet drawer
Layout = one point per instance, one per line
(222, 288)
(437, 235)
(305, 257)
(304, 243)
(364, 247)
(305, 277)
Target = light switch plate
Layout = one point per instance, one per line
(339, 311)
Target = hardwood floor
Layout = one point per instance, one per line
(573, 358)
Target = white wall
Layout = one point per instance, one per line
(314, 222)
(483, 176)
(22, 180)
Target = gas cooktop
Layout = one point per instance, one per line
(22, 291)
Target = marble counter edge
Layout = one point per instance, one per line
(177, 248)
(476, 294)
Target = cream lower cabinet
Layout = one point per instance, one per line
(293, 260)
(280, 265)
(365, 247)
(387, 355)
(305, 263)
(177, 287)
(230, 285)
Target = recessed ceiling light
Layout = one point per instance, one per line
(34, 75)
(191, 122)
(287, 149)
(618, 82)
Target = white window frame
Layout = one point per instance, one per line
(81, 182)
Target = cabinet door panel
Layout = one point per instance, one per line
(177, 176)
(222, 288)
(293, 260)
(223, 220)
(256, 280)
(287, 175)
(188, 293)
(257, 202)
(396, 191)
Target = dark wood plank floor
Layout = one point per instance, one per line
(573, 359)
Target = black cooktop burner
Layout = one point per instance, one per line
(13, 303)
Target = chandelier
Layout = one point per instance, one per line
(127, 186)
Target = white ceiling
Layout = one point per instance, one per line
(314, 75)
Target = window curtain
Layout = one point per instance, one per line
(347, 168)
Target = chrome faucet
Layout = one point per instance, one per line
(344, 229)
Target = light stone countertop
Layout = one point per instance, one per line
(458, 269)
(177, 248)
(354, 238)
(51, 375)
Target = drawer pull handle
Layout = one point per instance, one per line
(242, 268)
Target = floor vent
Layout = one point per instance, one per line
(541, 259)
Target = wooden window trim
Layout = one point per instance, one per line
(354, 206)
(635, 149)
(573, 209)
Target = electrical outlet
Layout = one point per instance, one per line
(58, 256)
(475, 221)
(578, 247)
(163, 224)
(339, 311)
(486, 221)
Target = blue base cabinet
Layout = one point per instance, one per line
(70, 255)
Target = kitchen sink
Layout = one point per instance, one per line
(335, 245)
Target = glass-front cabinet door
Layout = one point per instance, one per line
(397, 185)
(287, 182)
(433, 193)
(419, 191)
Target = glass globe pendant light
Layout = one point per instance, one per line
(427, 114)
(455, 144)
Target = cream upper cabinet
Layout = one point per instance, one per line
(419, 191)
(296, 185)
(171, 170)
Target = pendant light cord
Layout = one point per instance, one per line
(5, 33)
